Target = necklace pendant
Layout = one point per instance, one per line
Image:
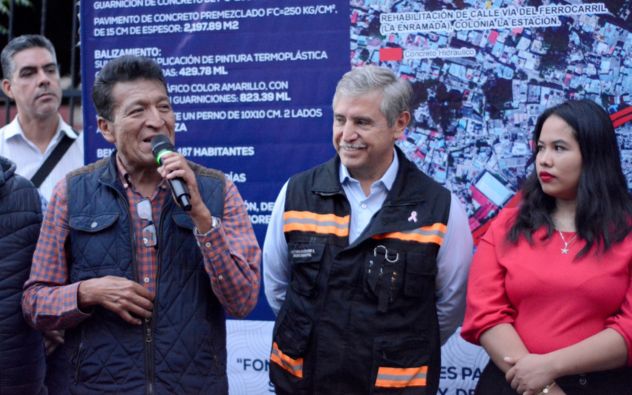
(564, 249)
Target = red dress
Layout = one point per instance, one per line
(551, 300)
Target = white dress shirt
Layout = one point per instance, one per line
(453, 260)
(15, 146)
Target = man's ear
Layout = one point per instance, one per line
(6, 88)
(106, 129)
(401, 123)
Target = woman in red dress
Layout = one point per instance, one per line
(550, 287)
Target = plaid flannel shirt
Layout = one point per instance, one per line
(231, 258)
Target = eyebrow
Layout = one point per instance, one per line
(34, 67)
(558, 141)
(140, 102)
(143, 101)
(362, 118)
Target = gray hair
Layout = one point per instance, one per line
(397, 92)
(19, 44)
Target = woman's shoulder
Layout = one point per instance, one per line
(505, 218)
(500, 225)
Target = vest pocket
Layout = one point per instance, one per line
(92, 223)
(421, 269)
(383, 273)
(289, 345)
(400, 365)
(91, 233)
(305, 259)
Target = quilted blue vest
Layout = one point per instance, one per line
(22, 364)
(182, 350)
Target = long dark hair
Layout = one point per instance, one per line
(604, 206)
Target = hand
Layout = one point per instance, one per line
(175, 165)
(529, 374)
(53, 339)
(130, 300)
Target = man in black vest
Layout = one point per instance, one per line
(141, 284)
(365, 258)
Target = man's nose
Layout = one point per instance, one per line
(155, 118)
(348, 131)
(42, 77)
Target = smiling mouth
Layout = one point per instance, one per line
(352, 147)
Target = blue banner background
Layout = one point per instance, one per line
(285, 127)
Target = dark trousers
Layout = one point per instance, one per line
(610, 382)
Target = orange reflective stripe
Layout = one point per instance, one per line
(293, 366)
(401, 377)
(434, 233)
(306, 221)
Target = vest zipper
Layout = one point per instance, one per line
(149, 356)
(147, 327)
(78, 361)
(148, 324)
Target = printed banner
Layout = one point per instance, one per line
(251, 83)
(483, 71)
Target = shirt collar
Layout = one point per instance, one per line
(123, 173)
(125, 178)
(388, 179)
(15, 129)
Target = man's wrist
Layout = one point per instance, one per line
(202, 218)
(84, 296)
(215, 223)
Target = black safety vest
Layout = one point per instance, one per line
(360, 318)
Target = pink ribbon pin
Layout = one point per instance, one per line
(413, 217)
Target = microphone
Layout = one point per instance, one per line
(161, 145)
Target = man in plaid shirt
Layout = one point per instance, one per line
(141, 286)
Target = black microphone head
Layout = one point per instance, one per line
(160, 144)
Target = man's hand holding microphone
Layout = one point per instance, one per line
(130, 300)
